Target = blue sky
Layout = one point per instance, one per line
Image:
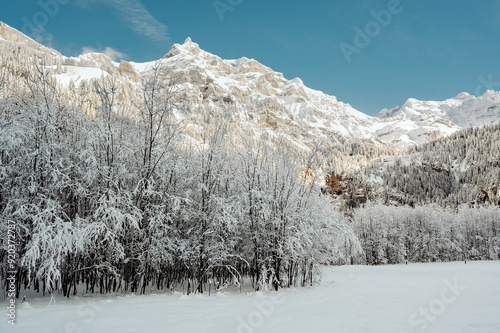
(371, 54)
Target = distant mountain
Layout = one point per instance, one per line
(419, 121)
(253, 96)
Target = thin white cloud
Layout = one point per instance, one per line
(140, 19)
(88, 49)
(115, 55)
(43, 37)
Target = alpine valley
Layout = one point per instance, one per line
(172, 172)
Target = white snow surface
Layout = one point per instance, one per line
(79, 74)
(424, 120)
(434, 297)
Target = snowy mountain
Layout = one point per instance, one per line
(420, 121)
(9, 35)
(253, 96)
(194, 174)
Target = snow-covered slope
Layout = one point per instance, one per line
(11, 35)
(253, 96)
(419, 121)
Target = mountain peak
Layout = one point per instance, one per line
(491, 94)
(11, 35)
(464, 95)
(253, 94)
(187, 48)
(297, 81)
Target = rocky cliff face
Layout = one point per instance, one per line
(256, 98)
(253, 95)
(126, 69)
(12, 35)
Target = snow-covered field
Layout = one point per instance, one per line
(437, 297)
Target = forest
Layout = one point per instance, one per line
(402, 234)
(463, 168)
(122, 198)
(107, 190)
(438, 201)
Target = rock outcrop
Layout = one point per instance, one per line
(127, 70)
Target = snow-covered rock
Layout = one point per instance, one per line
(253, 96)
(420, 121)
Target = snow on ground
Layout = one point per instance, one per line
(437, 297)
(79, 74)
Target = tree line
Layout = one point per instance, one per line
(392, 235)
(462, 169)
(122, 199)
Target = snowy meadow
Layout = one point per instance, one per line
(123, 210)
(433, 297)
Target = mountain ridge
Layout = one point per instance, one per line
(252, 95)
